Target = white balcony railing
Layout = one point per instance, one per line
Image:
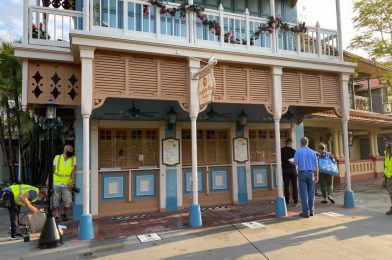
(51, 26)
(140, 20)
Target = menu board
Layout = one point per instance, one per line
(171, 151)
(240, 149)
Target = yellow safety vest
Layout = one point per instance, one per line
(387, 165)
(20, 189)
(63, 170)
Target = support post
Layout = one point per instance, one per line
(86, 15)
(280, 208)
(349, 200)
(339, 23)
(221, 22)
(86, 230)
(274, 35)
(191, 25)
(195, 212)
(25, 75)
(26, 25)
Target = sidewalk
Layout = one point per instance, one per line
(361, 233)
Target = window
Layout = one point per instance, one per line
(212, 147)
(262, 144)
(128, 148)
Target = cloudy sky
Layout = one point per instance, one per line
(311, 11)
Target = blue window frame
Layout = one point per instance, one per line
(144, 185)
(259, 178)
(219, 180)
(113, 186)
(188, 183)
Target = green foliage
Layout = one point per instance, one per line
(374, 24)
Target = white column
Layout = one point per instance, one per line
(191, 25)
(179, 172)
(272, 12)
(344, 78)
(335, 144)
(25, 75)
(86, 57)
(277, 94)
(371, 143)
(339, 23)
(86, 15)
(375, 144)
(234, 166)
(26, 21)
(162, 175)
(248, 169)
(94, 167)
(193, 113)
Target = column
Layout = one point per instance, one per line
(372, 151)
(26, 20)
(349, 200)
(234, 166)
(162, 175)
(25, 75)
(335, 136)
(272, 13)
(341, 150)
(94, 167)
(339, 23)
(280, 208)
(248, 169)
(192, 25)
(195, 212)
(86, 15)
(86, 231)
(179, 173)
(375, 144)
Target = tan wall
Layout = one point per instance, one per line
(355, 152)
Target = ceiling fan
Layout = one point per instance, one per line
(132, 112)
(213, 114)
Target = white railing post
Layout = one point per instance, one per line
(26, 25)
(158, 28)
(339, 23)
(191, 25)
(247, 28)
(319, 46)
(125, 17)
(298, 43)
(274, 35)
(221, 22)
(86, 15)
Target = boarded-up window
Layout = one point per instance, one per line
(212, 147)
(128, 148)
(262, 144)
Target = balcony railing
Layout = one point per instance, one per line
(376, 104)
(136, 19)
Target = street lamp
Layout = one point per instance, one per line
(50, 235)
(242, 119)
(171, 118)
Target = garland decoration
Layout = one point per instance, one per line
(214, 26)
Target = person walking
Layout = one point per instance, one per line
(325, 179)
(306, 161)
(388, 172)
(64, 174)
(16, 196)
(289, 172)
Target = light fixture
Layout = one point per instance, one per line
(171, 118)
(241, 122)
(51, 110)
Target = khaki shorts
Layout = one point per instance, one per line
(62, 194)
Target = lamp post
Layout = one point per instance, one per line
(50, 235)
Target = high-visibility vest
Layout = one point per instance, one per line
(63, 170)
(387, 165)
(19, 189)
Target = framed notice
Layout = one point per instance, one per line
(171, 151)
(240, 149)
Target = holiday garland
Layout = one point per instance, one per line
(214, 26)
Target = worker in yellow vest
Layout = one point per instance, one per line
(16, 196)
(388, 171)
(64, 173)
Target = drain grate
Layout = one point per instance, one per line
(216, 208)
(134, 217)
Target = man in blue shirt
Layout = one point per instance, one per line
(306, 161)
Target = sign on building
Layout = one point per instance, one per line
(206, 88)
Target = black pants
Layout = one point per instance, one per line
(290, 175)
(14, 217)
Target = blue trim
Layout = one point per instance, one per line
(200, 179)
(219, 188)
(195, 216)
(260, 170)
(280, 207)
(153, 186)
(86, 228)
(103, 186)
(349, 199)
(171, 190)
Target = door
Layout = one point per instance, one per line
(242, 193)
(171, 190)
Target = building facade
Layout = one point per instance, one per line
(127, 69)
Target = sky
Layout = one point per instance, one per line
(311, 11)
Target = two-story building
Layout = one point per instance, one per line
(126, 68)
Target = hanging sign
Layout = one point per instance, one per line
(206, 88)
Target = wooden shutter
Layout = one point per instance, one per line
(142, 77)
(186, 147)
(311, 88)
(109, 75)
(330, 89)
(259, 85)
(291, 87)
